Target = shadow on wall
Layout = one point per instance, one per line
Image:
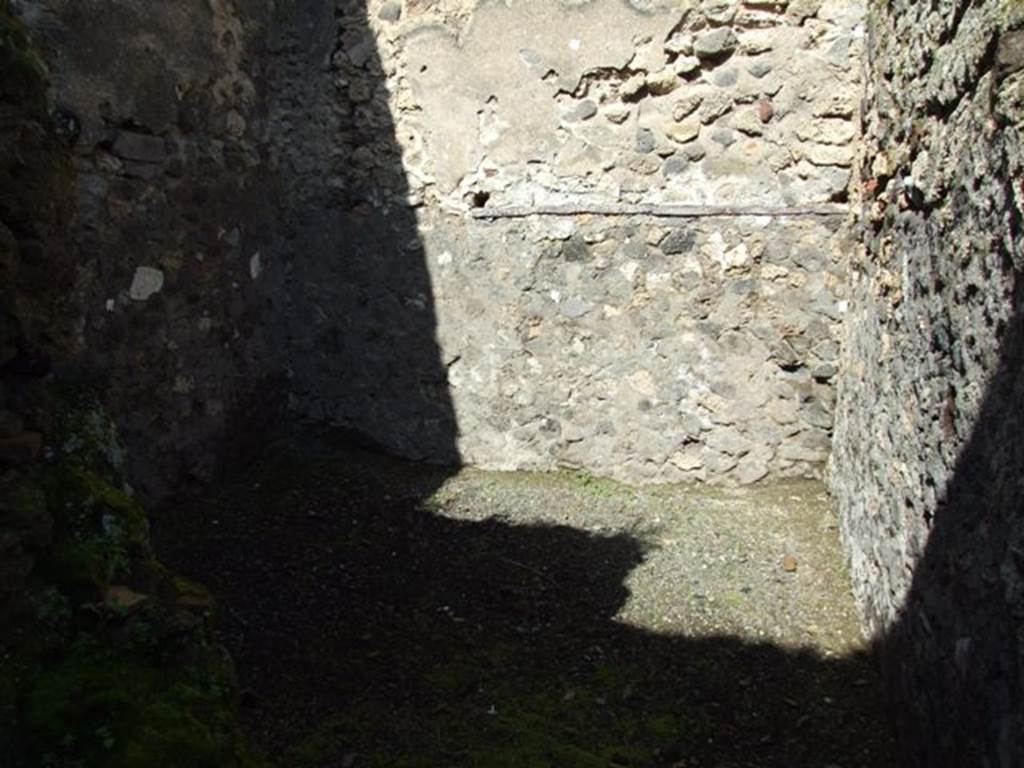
(241, 206)
(363, 625)
(359, 317)
(956, 654)
(352, 325)
(362, 354)
(361, 345)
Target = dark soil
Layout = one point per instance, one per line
(376, 621)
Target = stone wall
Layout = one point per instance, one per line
(34, 275)
(278, 211)
(331, 211)
(927, 461)
(171, 207)
(643, 347)
(216, 196)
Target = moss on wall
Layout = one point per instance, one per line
(113, 664)
(35, 192)
(107, 658)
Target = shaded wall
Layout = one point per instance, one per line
(274, 226)
(35, 276)
(927, 465)
(171, 204)
(224, 239)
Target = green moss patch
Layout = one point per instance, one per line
(98, 683)
(104, 710)
(99, 530)
(25, 78)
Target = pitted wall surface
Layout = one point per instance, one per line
(639, 346)
(927, 464)
(279, 219)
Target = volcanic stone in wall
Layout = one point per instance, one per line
(274, 209)
(646, 348)
(928, 462)
(35, 182)
(236, 176)
(173, 208)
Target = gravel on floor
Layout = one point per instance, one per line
(383, 613)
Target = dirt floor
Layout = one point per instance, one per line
(388, 614)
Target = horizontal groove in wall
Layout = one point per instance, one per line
(661, 211)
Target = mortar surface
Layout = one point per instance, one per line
(389, 614)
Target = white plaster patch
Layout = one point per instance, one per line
(146, 282)
(643, 382)
(659, 280)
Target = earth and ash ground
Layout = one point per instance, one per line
(382, 613)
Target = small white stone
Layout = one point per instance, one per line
(662, 82)
(683, 133)
(561, 229)
(773, 272)
(686, 65)
(827, 131)
(679, 43)
(827, 154)
(633, 86)
(687, 459)
(147, 282)
(255, 266)
(110, 305)
(617, 113)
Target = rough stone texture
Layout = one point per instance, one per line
(496, 107)
(641, 348)
(642, 351)
(171, 201)
(34, 277)
(273, 208)
(219, 197)
(927, 461)
(272, 212)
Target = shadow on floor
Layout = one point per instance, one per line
(369, 631)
